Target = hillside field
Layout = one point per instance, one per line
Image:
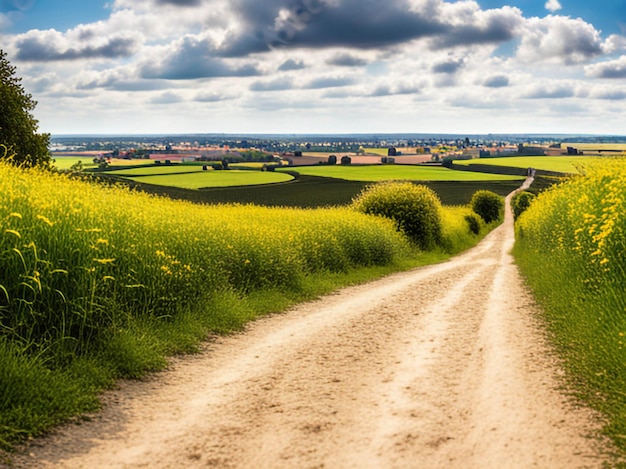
(66, 162)
(388, 172)
(559, 164)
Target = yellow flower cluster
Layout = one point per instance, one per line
(583, 223)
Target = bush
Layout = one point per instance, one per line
(473, 222)
(415, 209)
(521, 202)
(488, 205)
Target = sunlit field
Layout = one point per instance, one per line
(599, 147)
(158, 170)
(389, 172)
(66, 162)
(559, 164)
(571, 245)
(202, 179)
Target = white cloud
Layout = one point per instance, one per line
(559, 39)
(154, 59)
(556, 90)
(609, 93)
(614, 43)
(553, 5)
(613, 69)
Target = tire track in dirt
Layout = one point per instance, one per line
(444, 366)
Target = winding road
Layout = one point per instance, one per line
(441, 367)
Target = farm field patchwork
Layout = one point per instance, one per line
(388, 172)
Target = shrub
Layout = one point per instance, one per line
(416, 209)
(473, 222)
(521, 202)
(488, 205)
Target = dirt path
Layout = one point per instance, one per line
(443, 366)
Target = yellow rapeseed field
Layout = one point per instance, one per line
(78, 257)
(571, 247)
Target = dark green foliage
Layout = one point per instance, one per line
(488, 205)
(521, 202)
(473, 222)
(416, 209)
(18, 127)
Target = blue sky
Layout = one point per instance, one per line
(321, 66)
(58, 14)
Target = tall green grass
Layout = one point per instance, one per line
(571, 247)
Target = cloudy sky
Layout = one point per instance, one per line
(321, 66)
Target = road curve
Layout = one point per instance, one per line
(441, 367)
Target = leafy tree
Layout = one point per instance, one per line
(18, 127)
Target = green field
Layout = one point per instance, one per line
(598, 147)
(315, 191)
(559, 164)
(200, 179)
(157, 170)
(390, 172)
(66, 162)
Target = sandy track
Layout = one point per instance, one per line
(444, 366)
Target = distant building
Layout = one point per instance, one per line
(471, 152)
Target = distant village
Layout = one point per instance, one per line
(300, 150)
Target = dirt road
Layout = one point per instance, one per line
(444, 366)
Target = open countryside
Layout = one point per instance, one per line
(251, 270)
(337, 234)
